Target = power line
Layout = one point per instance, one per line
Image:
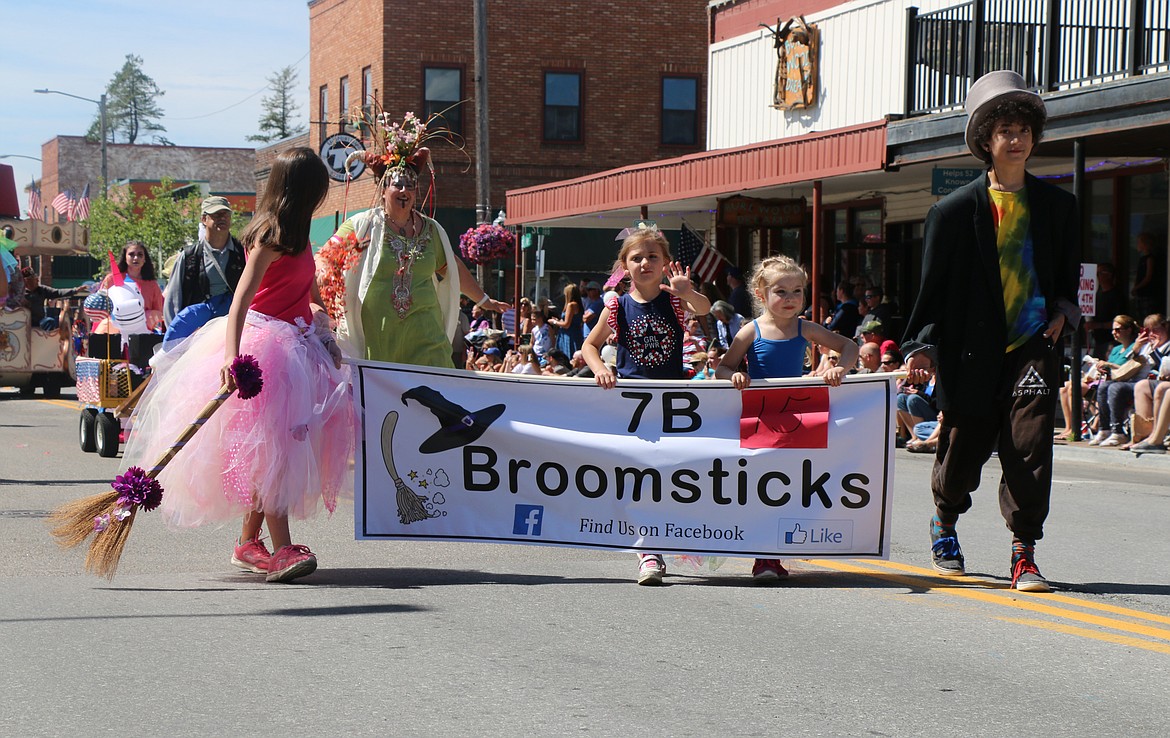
(235, 104)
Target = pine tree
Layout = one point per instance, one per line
(131, 105)
(279, 117)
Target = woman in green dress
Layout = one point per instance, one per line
(385, 275)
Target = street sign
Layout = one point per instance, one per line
(526, 241)
(944, 181)
(334, 151)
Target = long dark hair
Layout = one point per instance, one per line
(147, 263)
(296, 185)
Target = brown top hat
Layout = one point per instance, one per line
(988, 91)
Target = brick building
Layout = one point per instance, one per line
(72, 162)
(574, 86)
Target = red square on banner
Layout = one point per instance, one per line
(785, 417)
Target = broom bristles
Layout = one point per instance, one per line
(410, 507)
(75, 520)
(106, 550)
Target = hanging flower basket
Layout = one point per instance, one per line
(486, 243)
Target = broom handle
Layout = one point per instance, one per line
(204, 414)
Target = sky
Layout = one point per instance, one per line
(211, 59)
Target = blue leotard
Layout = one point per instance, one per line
(768, 359)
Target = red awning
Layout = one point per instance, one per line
(710, 174)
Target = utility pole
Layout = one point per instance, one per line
(483, 206)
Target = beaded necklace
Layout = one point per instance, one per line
(407, 249)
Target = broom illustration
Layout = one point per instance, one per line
(109, 516)
(410, 503)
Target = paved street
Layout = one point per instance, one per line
(440, 639)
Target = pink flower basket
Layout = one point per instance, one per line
(486, 243)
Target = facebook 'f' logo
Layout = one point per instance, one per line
(528, 520)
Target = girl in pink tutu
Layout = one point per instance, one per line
(285, 452)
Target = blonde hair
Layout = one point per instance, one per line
(638, 237)
(768, 271)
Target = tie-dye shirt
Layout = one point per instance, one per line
(1023, 304)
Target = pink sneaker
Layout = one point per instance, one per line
(252, 555)
(768, 570)
(651, 569)
(291, 562)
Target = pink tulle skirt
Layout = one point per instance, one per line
(286, 451)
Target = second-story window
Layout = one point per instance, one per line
(343, 101)
(323, 112)
(562, 106)
(680, 105)
(367, 97)
(442, 89)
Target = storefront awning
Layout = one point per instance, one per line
(697, 181)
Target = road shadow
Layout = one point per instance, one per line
(1108, 588)
(299, 612)
(414, 578)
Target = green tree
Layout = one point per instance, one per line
(279, 118)
(131, 105)
(166, 220)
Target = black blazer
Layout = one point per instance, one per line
(960, 309)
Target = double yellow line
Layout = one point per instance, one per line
(1119, 625)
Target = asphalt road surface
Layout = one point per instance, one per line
(474, 639)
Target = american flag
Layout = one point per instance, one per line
(705, 262)
(36, 211)
(63, 203)
(81, 209)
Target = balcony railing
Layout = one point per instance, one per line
(1054, 44)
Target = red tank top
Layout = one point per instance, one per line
(285, 288)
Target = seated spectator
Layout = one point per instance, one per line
(528, 363)
(823, 364)
(692, 342)
(480, 321)
(578, 366)
(926, 433)
(714, 358)
(1124, 330)
(891, 360)
(1153, 439)
(873, 331)
(556, 363)
(869, 358)
(700, 366)
(915, 405)
(495, 358)
(1115, 397)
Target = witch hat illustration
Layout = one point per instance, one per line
(458, 426)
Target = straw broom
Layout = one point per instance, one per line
(410, 504)
(109, 516)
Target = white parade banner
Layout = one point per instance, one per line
(788, 468)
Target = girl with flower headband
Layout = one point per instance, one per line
(286, 451)
(648, 323)
(386, 275)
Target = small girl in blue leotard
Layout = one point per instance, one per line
(774, 345)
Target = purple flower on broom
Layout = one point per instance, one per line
(101, 522)
(249, 379)
(135, 488)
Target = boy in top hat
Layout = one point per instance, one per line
(999, 286)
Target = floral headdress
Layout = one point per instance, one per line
(398, 148)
